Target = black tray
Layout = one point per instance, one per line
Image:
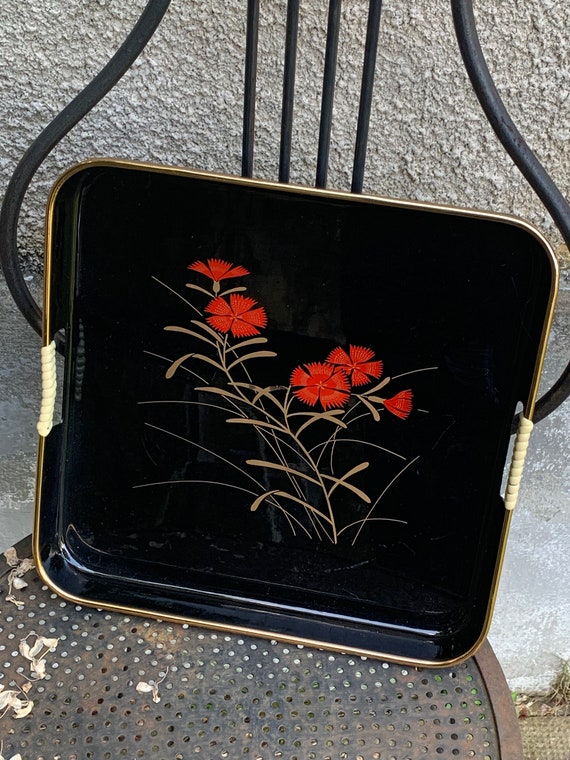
(286, 411)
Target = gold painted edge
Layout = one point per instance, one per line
(316, 192)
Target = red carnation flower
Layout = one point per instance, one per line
(400, 404)
(238, 316)
(357, 364)
(217, 269)
(321, 382)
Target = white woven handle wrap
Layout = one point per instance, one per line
(49, 388)
(517, 464)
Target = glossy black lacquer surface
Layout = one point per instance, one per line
(285, 411)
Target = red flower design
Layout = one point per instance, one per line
(217, 269)
(321, 382)
(400, 404)
(237, 316)
(357, 363)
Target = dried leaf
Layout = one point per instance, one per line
(39, 669)
(30, 652)
(24, 648)
(36, 653)
(146, 688)
(19, 604)
(11, 557)
(25, 565)
(19, 568)
(25, 709)
(7, 699)
(26, 687)
(51, 644)
(523, 712)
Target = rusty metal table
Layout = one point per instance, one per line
(232, 696)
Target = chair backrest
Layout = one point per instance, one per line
(370, 48)
(142, 32)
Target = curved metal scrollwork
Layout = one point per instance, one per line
(145, 27)
(32, 159)
(524, 158)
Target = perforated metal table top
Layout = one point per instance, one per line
(227, 696)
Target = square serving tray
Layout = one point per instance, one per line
(286, 411)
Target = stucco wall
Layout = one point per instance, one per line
(180, 104)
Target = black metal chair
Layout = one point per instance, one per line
(411, 737)
(149, 20)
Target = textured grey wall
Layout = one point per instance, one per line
(180, 104)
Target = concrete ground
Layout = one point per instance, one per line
(531, 627)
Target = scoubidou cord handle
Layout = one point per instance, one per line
(517, 463)
(49, 389)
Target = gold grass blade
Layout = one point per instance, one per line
(342, 482)
(175, 293)
(372, 519)
(303, 503)
(328, 416)
(257, 503)
(220, 392)
(390, 484)
(331, 412)
(197, 287)
(373, 410)
(267, 392)
(254, 355)
(288, 516)
(237, 289)
(256, 423)
(337, 481)
(378, 387)
(186, 331)
(207, 359)
(250, 342)
(174, 366)
(208, 329)
(282, 468)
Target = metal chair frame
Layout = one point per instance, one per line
(136, 41)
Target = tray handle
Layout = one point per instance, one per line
(49, 389)
(517, 462)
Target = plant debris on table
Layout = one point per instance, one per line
(15, 701)
(15, 577)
